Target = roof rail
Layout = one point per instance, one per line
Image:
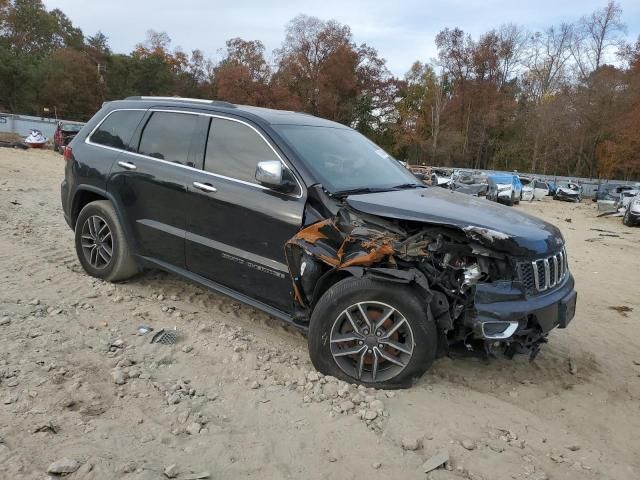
(218, 103)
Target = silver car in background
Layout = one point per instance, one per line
(631, 209)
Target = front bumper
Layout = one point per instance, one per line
(503, 311)
(567, 197)
(634, 214)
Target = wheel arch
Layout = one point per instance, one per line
(85, 194)
(381, 289)
(413, 278)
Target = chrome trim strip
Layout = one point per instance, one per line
(223, 247)
(536, 277)
(178, 99)
(177, 232)
(547, 275)
(561, 266)
(236, 252)
(216, 175)
(556, 273)
(510, 330)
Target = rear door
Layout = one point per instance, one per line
(237, 228)
(540, 190)
(149, 183)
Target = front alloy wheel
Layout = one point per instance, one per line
(371, 341)
(377, 334)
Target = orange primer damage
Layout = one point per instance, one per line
(327, 243)
(374, 256)
(312, 233)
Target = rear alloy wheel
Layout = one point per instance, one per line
(101, 245)
(97, 242)
(372, 333)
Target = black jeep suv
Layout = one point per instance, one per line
(311, 222)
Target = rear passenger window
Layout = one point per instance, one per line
(118, 128)
(234, 150)
(167, 136)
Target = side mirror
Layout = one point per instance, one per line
(272, 174)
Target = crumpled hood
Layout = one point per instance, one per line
(493, 225)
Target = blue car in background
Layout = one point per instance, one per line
(504, 188)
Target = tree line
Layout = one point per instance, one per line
(565, 100)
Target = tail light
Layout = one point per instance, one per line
(68, 153)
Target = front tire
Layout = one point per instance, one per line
(627, 219)
(101, 245)
(380, 335)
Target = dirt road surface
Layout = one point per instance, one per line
(237, 397)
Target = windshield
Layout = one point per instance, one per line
(343, 159)
(70, 127)
(502, 179)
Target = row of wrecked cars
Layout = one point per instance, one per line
(621, 201)
(507, 188)
(510, 189)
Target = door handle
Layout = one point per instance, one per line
(205, 187)
(127, 165)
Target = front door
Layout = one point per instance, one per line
(236, 228)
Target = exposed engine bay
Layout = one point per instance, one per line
(444, 263)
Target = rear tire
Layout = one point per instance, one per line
(390, 355)
(101, 245)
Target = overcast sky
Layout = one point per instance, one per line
(401, 30)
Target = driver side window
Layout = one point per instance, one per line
(234, 150)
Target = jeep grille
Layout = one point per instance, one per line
(544, 273)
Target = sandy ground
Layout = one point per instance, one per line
(237, 396)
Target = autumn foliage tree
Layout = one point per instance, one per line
(561, 100)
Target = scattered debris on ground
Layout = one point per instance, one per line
(621, 309)
(84, 395)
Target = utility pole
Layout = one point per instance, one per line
(101, 69)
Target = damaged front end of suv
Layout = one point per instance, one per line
(489, 289)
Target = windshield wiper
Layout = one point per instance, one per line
(360, 190)
(404, 186)
(356, 191)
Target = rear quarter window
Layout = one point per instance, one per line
(117, 129)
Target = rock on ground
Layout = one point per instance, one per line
(63, 466)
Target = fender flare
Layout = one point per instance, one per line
(119, 212)
(382, 274)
